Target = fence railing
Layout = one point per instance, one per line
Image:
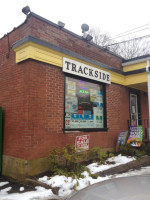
(144, 122)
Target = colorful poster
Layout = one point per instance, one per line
(93, 95)
(82, 143)
(98, 117)
(84, 103)
(87, 112)
(71, 93)
(80, 111)
(67, 120)
(71, 88)
(122, 138)
(71, 104)
(135, 135)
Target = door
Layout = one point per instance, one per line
(134, 109)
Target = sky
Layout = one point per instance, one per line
(112, 16)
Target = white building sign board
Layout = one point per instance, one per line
(81, 69)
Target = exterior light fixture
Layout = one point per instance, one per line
(86, 36)
(61, 24)
(26, 10)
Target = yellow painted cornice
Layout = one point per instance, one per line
(31, 50)
(135, 66)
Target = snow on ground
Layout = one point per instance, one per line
(67, 184)
(118, 160)
(38, 194)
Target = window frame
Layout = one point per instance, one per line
(104, 104)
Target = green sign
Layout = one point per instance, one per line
(83, 91)
(0, 139)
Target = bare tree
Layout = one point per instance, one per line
(130, 49)
(99, 37)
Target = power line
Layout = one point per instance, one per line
(138, 38)
(129, 33)
(131, 30)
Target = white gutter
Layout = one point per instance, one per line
(135, 61)
(148, 85)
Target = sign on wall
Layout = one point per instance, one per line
(82, 142)
(81, 69)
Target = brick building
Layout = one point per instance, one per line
(56, 86)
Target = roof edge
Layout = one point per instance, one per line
(136, 60)
(72, 33)
(65, 51)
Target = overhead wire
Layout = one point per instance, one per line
(130, 30)
(128, 34)
(138, 38)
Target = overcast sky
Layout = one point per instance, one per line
(113, 16)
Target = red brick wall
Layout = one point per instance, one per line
(32, 96)
(49, 33)
(60, 38)
(33, 104)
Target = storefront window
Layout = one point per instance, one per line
(84, 104)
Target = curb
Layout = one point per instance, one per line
(126, 167)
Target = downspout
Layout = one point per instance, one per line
(8, 46)
(148, 85)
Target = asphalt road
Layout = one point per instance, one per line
(125, 188)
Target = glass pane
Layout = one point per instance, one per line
(133, 109)
(83, 104)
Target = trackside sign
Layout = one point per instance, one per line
(81, 69)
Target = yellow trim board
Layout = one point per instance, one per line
(50, 56)
(135, 79)
(38, 52)
(135, 66)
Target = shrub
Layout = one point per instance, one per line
(129, 150)
(67, 161)
(98, 154)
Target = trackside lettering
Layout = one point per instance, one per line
(83, 70)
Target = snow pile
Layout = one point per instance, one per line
(21, 189)
(3, 183)
(67, 185)
(118, 160)
(39, 193)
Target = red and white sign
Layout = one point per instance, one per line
(82, 142)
